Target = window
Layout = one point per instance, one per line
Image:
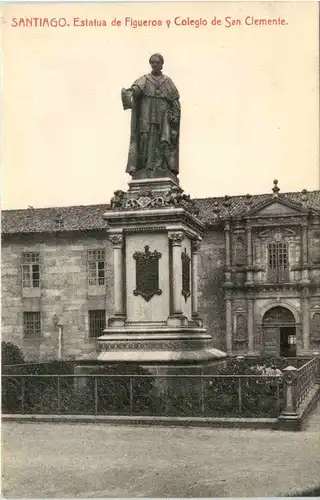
(97, 322)
(241, 326)
(315, 247)
(278, 262)
(96, 267)
(292, 340)
(31, 325)
(315, 325)
(239, 251)
(30, 270)
(58, 223)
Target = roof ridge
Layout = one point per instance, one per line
(91, 205)
(65, 207)
(257, 194)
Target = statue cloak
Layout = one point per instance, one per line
(155, 123)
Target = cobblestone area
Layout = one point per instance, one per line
(91, 460)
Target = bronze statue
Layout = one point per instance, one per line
(155, 122)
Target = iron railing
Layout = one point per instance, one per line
(151, 395)
(307, 377)
(198, 395)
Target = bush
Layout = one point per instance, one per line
(52, 367)
(122, 395)
(11, 354)
(256, 366)
(313, 492)
(77, 395)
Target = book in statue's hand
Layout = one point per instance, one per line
(126, 97)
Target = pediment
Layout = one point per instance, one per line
(277, 207)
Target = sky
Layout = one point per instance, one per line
(249, 98)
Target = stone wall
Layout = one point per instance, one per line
(63, 291)
(211, 292)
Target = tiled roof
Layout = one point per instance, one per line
(43, 220)
(90, 217)
(238, 204)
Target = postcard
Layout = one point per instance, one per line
(160, 249)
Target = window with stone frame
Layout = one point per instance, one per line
(315, 247)
(241, 327)
(96, 267)
(278, 262)
(315, 325)
(30, 269)
(97, 322)
(58, 223)
(239, 251)
(31, 325)
(240, 332)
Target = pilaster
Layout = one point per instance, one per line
(228, 301)
(227, 253)
(117, 241)
(250, 322)
(249, 276)
(195, 247)
(304, 253)
(176, 315)
(305, 310)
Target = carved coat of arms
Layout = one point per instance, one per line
(185, 274)
(147, 273)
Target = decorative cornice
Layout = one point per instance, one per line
(146, 199)
(144, 218)
(273, 287)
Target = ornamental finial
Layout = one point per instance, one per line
(226, 201)
(275, 188)
(304, 197)
(216, 209)
(248, 201)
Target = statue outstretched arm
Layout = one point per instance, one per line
(127, 96)
(136, 91)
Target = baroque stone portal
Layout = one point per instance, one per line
(155, 123)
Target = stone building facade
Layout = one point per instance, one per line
(259, 269)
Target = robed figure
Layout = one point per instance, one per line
(155, 122)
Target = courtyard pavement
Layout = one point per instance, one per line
(43, 460)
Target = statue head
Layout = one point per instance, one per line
(156, 62)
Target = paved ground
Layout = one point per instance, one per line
(88, 460)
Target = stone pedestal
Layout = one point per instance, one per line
(155, 234)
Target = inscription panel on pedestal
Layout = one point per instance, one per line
(147, 273)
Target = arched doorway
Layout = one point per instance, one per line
(279, 332)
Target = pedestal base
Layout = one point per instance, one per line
(155, 232)
(149, 175)
(117, 321)
(157, 345)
